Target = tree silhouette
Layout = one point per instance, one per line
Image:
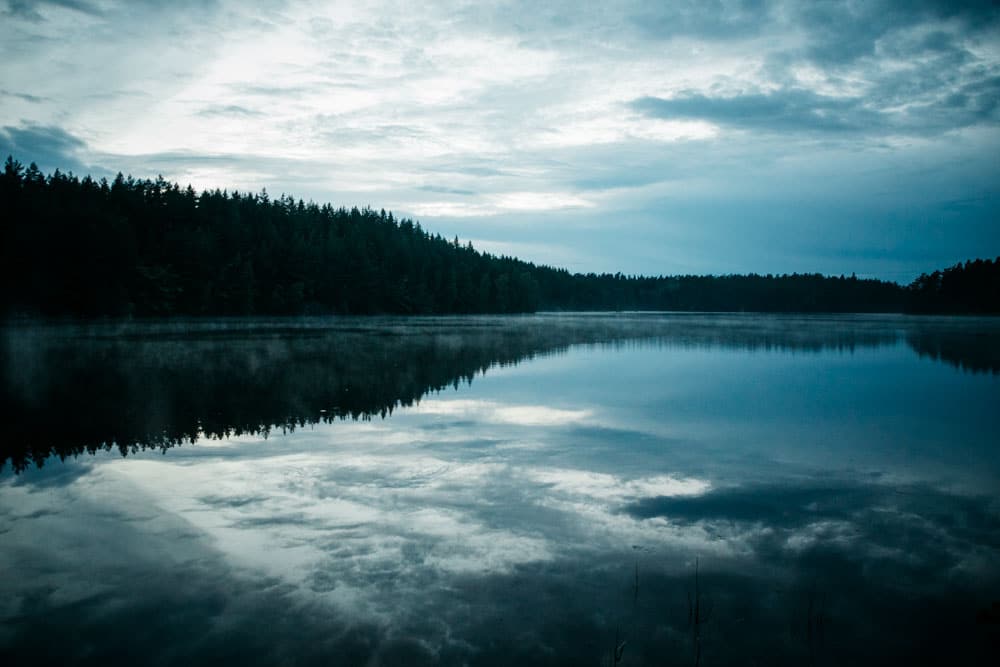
(80, 247)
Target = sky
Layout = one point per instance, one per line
(641, 137)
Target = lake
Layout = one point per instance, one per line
(588, 489)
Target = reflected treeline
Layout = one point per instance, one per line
(975, 351)
(69, 389)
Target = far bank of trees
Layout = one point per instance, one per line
(969, 288)
(81, 247)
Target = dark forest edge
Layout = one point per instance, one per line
(87, 248)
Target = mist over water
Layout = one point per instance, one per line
(499, 490)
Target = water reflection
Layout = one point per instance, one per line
(75, 389)
(835, 490)
(966, 347)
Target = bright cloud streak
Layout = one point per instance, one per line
(490, 412)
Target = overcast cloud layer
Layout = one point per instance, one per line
(636, 137)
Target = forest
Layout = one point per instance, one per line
(80, 247)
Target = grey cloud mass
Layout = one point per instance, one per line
(29, 9)
(51, 147)
(786, 111)
(843, 32)
(620, 136)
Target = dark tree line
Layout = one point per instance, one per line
(82, 247)
(972, 287)
(85, 247)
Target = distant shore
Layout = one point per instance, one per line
(82, 248)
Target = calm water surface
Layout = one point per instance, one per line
(492, 491)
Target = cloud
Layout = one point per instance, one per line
(34, 99)
(434, 209)
(64, 474)
(713, 20)
(784, 111)
(442, 190)
(791, 506)
(28, 10)
(50, 147)
(793, 110)
(229, 110)
(916, 526)
(840, 33)
(379, 553)
(497, 204)
(613, 488)
(491, 412)
(539, 201)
